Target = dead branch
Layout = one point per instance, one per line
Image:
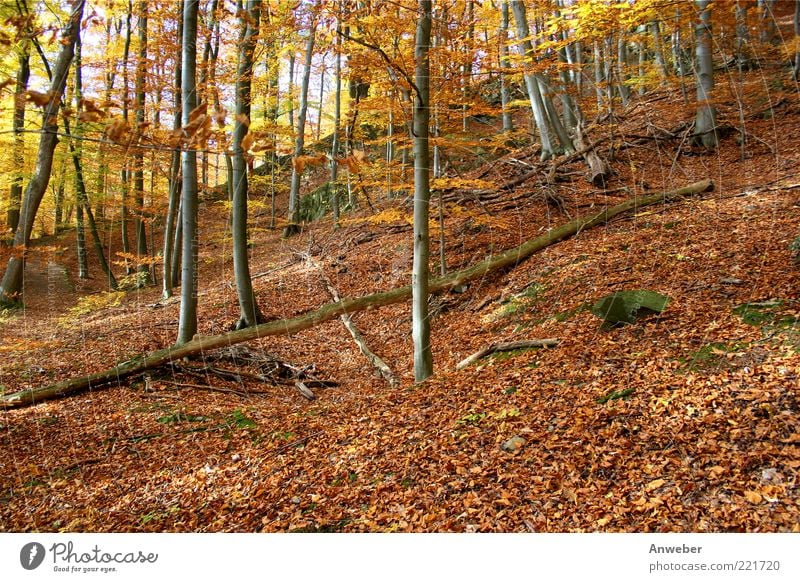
(373, 358)
(506, 347)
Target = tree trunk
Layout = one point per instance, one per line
(249, 314)
(508, 259)
(125, 175)
(80, 185)
(531, 82)
(655, 30)
(11, 285)
(168, 282)
(768, 27)
(337, 120)
(505, 92)
(705, 127)
(797, 40)
(15, 195)
(420, 323)
(294, 190)
(138, 158)
(187, 324)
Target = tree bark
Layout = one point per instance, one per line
(797, 40)
(168, 281)
(531, 81)
(705, 128)
(15, 195)
(294, 190)
(505, 65)
(420, 323)
(187, 324)
(11, 284)
(249, 314)
(138, 158)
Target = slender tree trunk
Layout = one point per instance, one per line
(11, 284)
(337, 119)
(622, 65)
(58, 219)
(655, 30)
(187, 324)
(294, 190)
(742, 46)
(597, 62)
(531, 82)
(15, 196)
(249, 314)
(769, 28)
(505, 65)
(125, 175)
(80, 186)
(421, 325)
(321, 97)
(797, 40)
(80, 235)
(168, 281)
(138, 158)
(705, 132)
(290, 90)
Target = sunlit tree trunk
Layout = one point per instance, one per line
(294, 189)
(505, 65)
(15, 196)
(11, 284)
(337, 119)
(249, 313)
(531, 82)
(168, 281)
(58, 202)
(80, 186)
(420, 326)
(597, 62)
(125, 176)
(661, 66)
(705, 123)
(138, 159)
(187, 324)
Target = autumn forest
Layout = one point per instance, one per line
(399, 266)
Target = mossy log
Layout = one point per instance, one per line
(505, 260)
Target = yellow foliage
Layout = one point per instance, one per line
(91, 303)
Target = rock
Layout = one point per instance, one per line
(513, 444)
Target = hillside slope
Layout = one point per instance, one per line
(687, 421)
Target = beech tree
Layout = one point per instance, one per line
(294, 189)
(421, 325)
(187, 324)
(706, 120)
(248, 308)
(11, 284)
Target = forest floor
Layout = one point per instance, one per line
(685, 421)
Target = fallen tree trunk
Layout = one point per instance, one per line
(506, 347)
(509, 258)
